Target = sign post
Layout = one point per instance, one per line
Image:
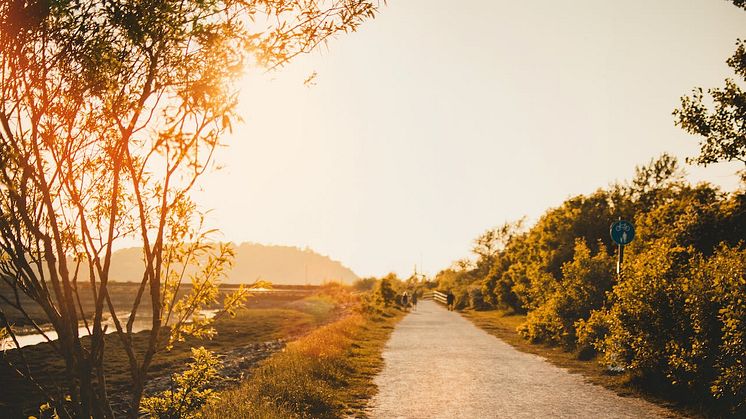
(622, 233)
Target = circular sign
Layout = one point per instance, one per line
(622, 232)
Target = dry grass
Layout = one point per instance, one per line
(326, 374)
(286, 316)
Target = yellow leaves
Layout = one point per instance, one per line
(190, 389)
(236, 300)
(194, 270)
(47, 411)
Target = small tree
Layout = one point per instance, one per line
(385, 292)
(109, 114)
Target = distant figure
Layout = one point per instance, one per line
(405, 300)
(449, 300)
(414, 301)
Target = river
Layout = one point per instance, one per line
(139, 325)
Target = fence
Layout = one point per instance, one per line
(440, 297)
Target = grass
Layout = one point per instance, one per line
(325, 374)
(503, 325)
(286, 317)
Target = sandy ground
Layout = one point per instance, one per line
(439, 365)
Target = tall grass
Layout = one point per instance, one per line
(326, 374)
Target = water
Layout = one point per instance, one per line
(143, 323)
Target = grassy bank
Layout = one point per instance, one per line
(325, 374)
(504, 324)
(284, 316)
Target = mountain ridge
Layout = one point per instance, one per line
(278, 264)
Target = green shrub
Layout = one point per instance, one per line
(725, 273)
(543, 324)
(461, 298)
(586, 279)
(648, 309)
(476, 298)
(680, 317)
(385, 292)
(190, 389)
(364, 284)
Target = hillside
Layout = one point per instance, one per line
(277, 264)
(286, 265)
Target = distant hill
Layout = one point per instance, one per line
(286, 265)
(276, 264)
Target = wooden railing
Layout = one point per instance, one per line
(440, 297)
(436, 296)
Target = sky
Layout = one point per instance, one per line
(440, 119)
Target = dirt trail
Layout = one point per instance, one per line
(439, 365)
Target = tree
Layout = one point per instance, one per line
(489, 244)
(385, 292)
(109, 114)
(655, 182)
(724, 126)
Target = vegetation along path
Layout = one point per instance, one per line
(439, 365)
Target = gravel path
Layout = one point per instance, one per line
(439, 365)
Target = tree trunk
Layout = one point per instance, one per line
(137, 390)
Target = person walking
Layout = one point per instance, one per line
(414, 301)
(405, 300)
(450, 300)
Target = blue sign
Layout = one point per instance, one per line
(622, 232)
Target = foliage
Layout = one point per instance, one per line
(384, 293)
(476, 298)
(722, 126)
(46, 411)
(586, 279)
(680, 316)
(190, 389)
(110, 113)
(675, 319)
(487, 246)
(364, 284)
(654, 183)
(725, 273)
(388, 292)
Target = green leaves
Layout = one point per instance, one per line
(109, 114)
(724, 124)
(586, 279)
(189, 391)
(679, 315)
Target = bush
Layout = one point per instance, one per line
(648, 309)
(586, 279)
(461, 298)
(364, 284)
(476, 298)
(385, 293)
(190, 390)
(725, 276)
(543, 324)
(681, 318)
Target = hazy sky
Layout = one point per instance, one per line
(440, 119)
